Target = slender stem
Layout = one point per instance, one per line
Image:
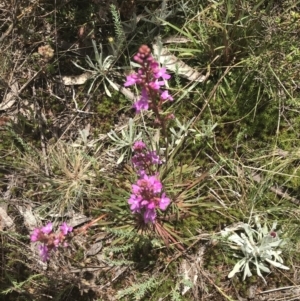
(85, 227)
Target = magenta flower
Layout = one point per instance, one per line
(155, 85)
(164, 202)
(147, 185)
(139, 146)
(166, 96)
(35, 235)
(47, 229)
(146, 197)
(65, 229)
(135, 203)
(161, 72)
(142, 103)
(149, 216)
(57, 241)
(153, 158)
(152, 183)
(154, 65)
(49, 240)
(150, 77)
(131, 80)
(44, 252)
(145, 161)
(148, 204)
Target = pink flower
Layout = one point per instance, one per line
(161, 72)
(149, 216)
(153, 158)
(154, 66)
(150, 77)
(65, 229)
(50, 241)
(155, 85)
(130, 80)
(47, 229)
(145, 197)
(134, 203)
(145, 160)
(139, 145)
(164, 202)
(57, 241)
(148, 204)
(35, 235)
(44, 252)
(147, 186)
(142, 103)
(166, 96)
(152, 183)
(135, 188)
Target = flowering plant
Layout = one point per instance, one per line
(50, 241)
(151, 78)
(147, 194)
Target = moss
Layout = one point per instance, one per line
(144, 254)
(108, 110)
(79, 255)
(213, 220)
(165, 286)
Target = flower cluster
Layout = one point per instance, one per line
(147, 195)
(50, 241)
(151, 78)
(143, 159)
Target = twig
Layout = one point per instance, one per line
(76, 104)
(85, 227)
(28, 82)
(7, 32)
(278, 289)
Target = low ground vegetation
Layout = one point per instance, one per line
(149, 150)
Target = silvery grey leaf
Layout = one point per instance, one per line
(94, 249)
(174, 64)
